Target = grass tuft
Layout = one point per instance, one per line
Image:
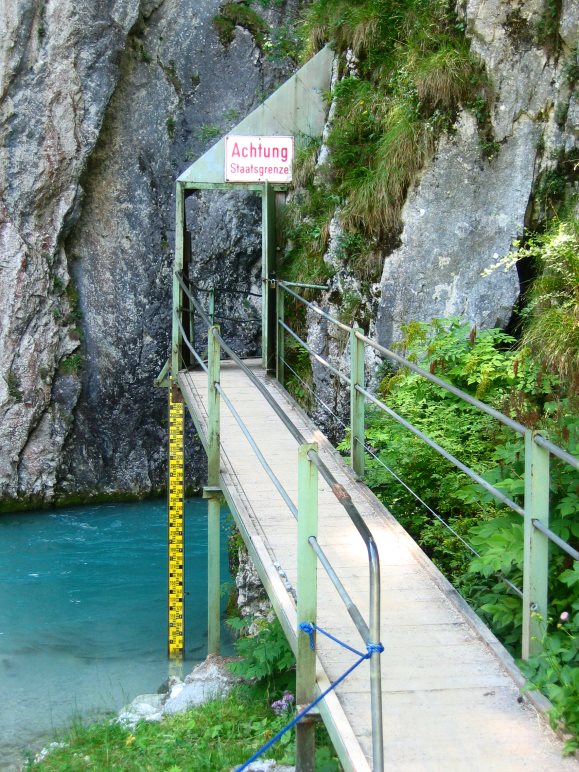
(232, 15)
(413, 71)
(553, 329)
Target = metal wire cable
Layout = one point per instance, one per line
(237, 319)
(405, 485)
(313, 354)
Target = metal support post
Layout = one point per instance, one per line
(280, 347)
(213, 493)
(536, 550)
(192, 328)
(180, 235)
(375, 663)
(212, 305)
(307, 603)
(357, 401)
(176, 541)
(268, 244)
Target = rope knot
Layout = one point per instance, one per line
(308, 628)
(374, 648)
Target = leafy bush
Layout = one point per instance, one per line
(555, 671)
(553, 329)
(486, 365)
(266, 656)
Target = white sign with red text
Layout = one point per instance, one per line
(257, 159)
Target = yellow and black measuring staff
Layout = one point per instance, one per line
(176, 540)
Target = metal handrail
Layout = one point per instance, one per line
(370, 633)
(313, 354)
(535, 511)
(444, 453)
(515, 425)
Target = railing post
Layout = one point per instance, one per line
(356, 403)
(192, 329)
(212, 305)
(536, 549)
(280, 333)
(180, 236)
(307, 591)
(213, 493)
(268, 230)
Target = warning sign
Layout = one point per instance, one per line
(258, 159)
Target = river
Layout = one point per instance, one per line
(83, 613)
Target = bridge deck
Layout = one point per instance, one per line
(450, 696)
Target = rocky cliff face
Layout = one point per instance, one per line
(102, 105)
(478, 193)
(467, 209)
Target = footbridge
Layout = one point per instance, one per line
(445, 694)
(344, 579)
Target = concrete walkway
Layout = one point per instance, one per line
(450, 691)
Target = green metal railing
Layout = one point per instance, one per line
(538, 449)
(310, 465)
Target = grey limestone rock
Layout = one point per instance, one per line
(145, 707)
(252, 600)
(466, 210)
(102, 105)
(461, 218)
(207, 681)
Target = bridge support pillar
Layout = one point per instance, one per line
(213, 493)
(307, 591)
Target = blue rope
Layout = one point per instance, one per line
(306, 627)
(309, 629)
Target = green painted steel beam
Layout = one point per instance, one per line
(268, 242)
(536, 547)
(255, 186)
(357, 402)
(214, 495)
(307, 591)
(280, 334)
(176, 338)
(162, 381)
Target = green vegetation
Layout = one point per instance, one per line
(214, 737)
(547, 29)
(232, 15)
(284, 43)
(556, 671)
(206, 132)
(412, 70)
(217, 736)
(71, 364)
(552, 332)
(13, 385)
(171, 125)
(265, 656)
(488, 365)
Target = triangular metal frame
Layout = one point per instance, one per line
(297, 108)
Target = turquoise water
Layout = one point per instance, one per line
(83, 612)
